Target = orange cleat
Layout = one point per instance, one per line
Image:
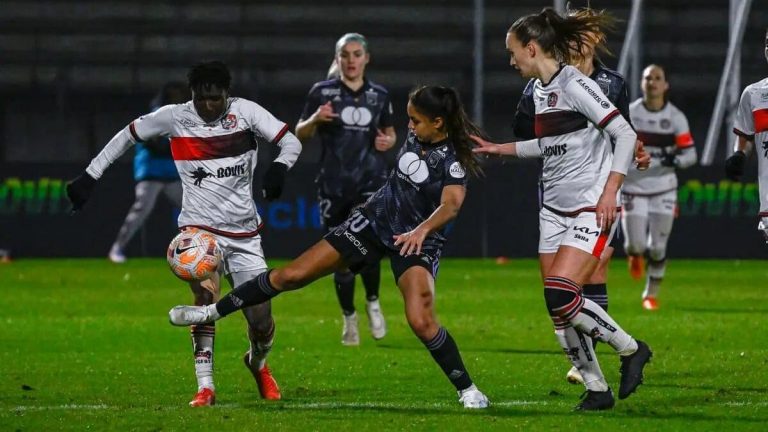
(268, 387)
(205, 397)
(636, 267)
(650, 303)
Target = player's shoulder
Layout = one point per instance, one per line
(326, 86)
(528, 90)
(673, 109)
(604, 72)
(636, 104)
(759, 87)
(377, 87)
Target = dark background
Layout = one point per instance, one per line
(75, 72)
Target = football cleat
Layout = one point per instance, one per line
(205, 397)
(350, 335)
(116, 255)
(268, 388)
(632, 369)
(574, 376)
(596, 401)
(188, 315)
(636, 266)
(376, 320)
(473, 398)
(650, 303)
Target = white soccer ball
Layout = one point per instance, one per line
(193, 255)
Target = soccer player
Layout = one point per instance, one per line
(154, 172)
(751, 126)
(613, 85)
(650, 196)
(581, 178)
(213, 141)
(353, 118)
(404, 220)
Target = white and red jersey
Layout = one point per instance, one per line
(215, 160)
(662, 132)
(570, 113)
(752, 123)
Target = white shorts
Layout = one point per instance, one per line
(641, 205)
(579, 231)
(241, 254)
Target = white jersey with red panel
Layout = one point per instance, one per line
(570, 112)
(215, 160)
(662, 132)
(752, 123)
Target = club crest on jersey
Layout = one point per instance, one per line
(199, 175)
(435, 158)
(371, 97)
(412, 168)
(552, 100)
(229, 122)
(665, 124)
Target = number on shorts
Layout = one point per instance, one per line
(358, 222)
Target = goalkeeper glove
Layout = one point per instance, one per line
(272, 184)
(734, 165)
(79, 190)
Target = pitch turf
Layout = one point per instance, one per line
(86, 346)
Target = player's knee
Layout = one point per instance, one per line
(289, 278)
(423, 326)
(560, 300)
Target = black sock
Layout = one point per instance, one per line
(371, 276)
(598, 293)
(345, 291)
(445, 352)
(256, 291)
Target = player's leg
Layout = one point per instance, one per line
(417, 285)
(203, 335)
(634, 223)
(354, 245)
(174, 192)
(371, 276)
(146, 196)
(661, 217)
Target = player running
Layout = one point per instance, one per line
(581, 179)
(650, 197)
(213, 141)
(353, 117)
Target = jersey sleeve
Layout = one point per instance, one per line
(622, 102)
(587, 98)
(683, 137)
(264, 124)
(155, 124)
(311, 104)
(744, 124)
(455, 174)
(385, 119)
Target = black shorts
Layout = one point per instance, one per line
(359, 246)
(335, 210)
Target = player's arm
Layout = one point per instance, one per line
(518, 149)
(275, 131)
(314, 115)
(450, 203)
(144, 128)
(744, 128)
(385, 133)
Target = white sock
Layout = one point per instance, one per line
(202, 347)
(593, 321)
(578, 349)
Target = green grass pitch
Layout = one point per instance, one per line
(86, 345)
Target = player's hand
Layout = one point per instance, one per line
(605, 211)
(642, 157)
(383, 141)
(324, 113)
(79, 190)
(734, 165)
(274, 179)
(411, 241)
(485, 147)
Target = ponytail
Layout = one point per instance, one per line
(562, 37)
(439, 101)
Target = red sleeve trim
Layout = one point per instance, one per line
(132, 129)
(280, 134)
(745, 135)
(608, 118)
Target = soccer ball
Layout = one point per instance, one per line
(193, 255)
